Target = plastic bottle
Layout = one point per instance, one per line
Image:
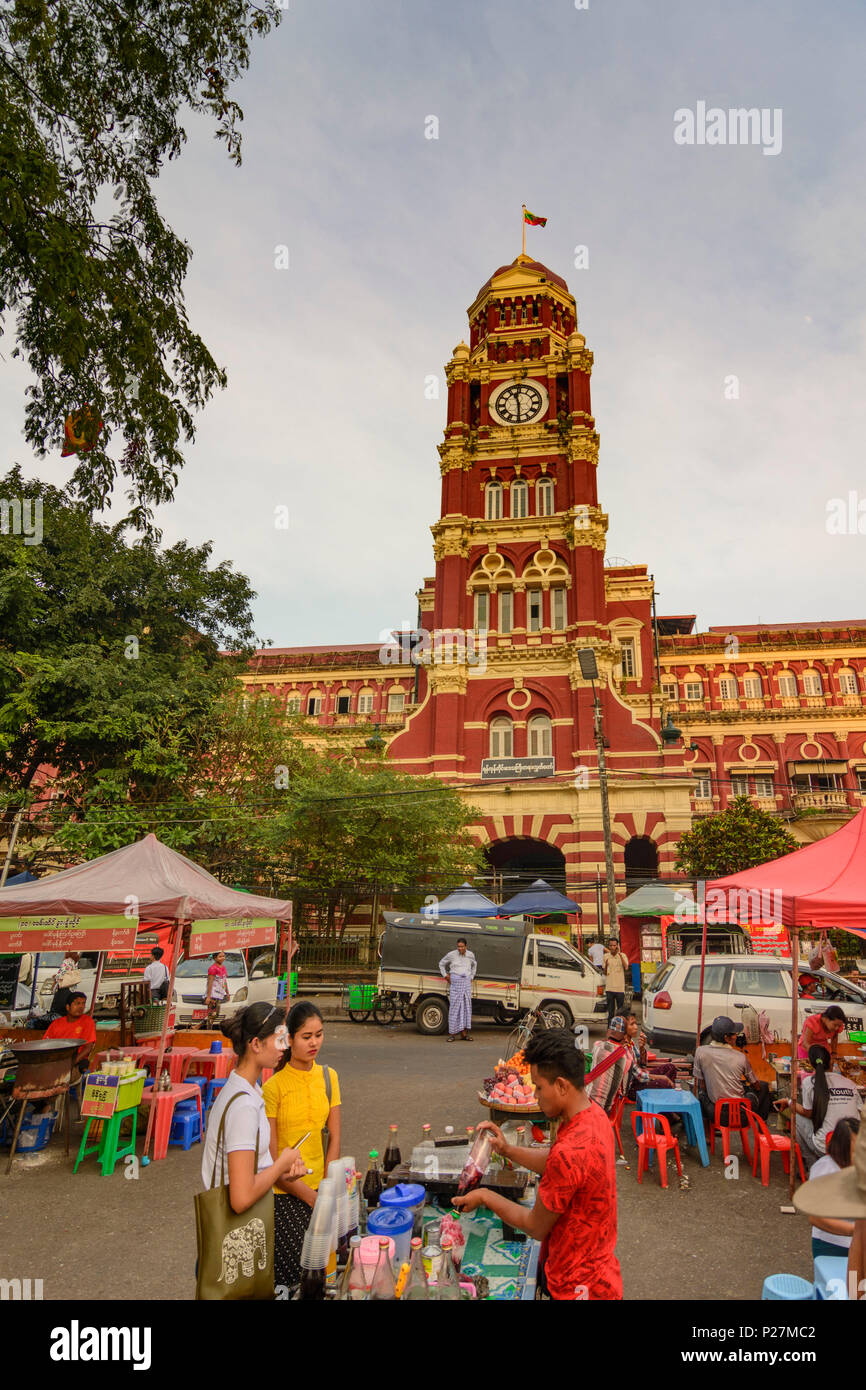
(416, 1284)
(353, 1287)
(373, 1182)
(448, 1285)
(382, 1286)
(477, 1163)
(392, 1152)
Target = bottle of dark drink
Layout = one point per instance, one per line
(392, 1153)
(373, 1182)
(312, 1284)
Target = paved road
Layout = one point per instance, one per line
(93, 1237)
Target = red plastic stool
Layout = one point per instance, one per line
(651, 1139)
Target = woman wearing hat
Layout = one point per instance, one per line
(842, 1197)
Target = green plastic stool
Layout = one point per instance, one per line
(110, 1148)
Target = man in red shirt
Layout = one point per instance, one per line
(76, 1024)
(575, 1212)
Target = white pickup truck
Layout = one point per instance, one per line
(518, 969)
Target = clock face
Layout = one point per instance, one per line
(518, 402)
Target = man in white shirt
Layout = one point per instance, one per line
(596, 954)
(156, 975)
(459, 967)
(614, 968)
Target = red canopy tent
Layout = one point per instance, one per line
(98, 904)
(818, 887)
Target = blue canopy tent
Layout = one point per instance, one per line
(465, 901)
(539, 900)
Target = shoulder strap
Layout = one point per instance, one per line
(221, 1140)
(327, 1073)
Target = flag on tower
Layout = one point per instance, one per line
(533, 221)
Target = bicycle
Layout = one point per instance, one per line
(536, 1018)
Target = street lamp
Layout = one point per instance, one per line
(589, 671)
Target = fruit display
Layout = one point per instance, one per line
(511, 1083)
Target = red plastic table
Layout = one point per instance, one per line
(165, 1103)
(213, 1064)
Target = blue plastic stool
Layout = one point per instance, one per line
(185, 1128)
(213, 1089)
(196, 1081)
(787, 1288)
(184, 1106)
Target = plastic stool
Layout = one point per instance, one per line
(110, 1148)
(183, 1107)
(195, 1079)
(787, 1288)
(213, 1089)
(185, 1128)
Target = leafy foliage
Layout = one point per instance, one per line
(738, 838)
(91, 96)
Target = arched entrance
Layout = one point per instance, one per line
(517, 862)
(641, 862)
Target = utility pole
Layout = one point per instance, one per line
(589, 671)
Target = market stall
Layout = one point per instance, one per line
(97, 905)
(538, 901)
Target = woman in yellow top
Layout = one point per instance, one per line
(300, 1098)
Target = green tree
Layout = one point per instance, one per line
(110, 660)
(91, 98)
(738, 838)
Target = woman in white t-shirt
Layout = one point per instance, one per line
(829, 1236)
(828, 1097)
(259, 1037)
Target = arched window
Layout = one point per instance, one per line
(365, 702)
(848, 682)
(519, 499)
(812, 683)
(482, 610)
(558, 609)
(344, 702)
(544, 497)
(493, 502)
(728, 687)
(540, 737)
(293, 704)
(787, 683)
(501, 737)
(505, 599)
(752, 686)
(314, 703)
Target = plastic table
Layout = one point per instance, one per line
(165, 1103)
(831, 1277)
(213, 1064)
(664, 1102)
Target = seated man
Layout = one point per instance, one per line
(613, 1060)
(644, 1075)
(76, 1024)
(722, 1070)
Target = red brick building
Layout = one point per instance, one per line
(498, 706)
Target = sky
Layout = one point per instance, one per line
(724, 298)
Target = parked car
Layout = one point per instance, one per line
(731, 983)
(246, 985)
(517, 970)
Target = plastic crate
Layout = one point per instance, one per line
(130, 1090)
(856, 1035)
(360, 996)
(35, 1135)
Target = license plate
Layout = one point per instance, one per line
(199, 1013)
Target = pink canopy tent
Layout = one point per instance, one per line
(143, 880)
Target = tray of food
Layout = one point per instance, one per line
(510, 1088)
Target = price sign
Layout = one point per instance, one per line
(100, 1096)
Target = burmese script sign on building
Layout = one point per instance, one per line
(230, 934)
(504, 769)
(47, 932)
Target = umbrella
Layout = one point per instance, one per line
(539, 900)
(465, 901)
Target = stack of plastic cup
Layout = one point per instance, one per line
(337, 1175)
(320, 1242)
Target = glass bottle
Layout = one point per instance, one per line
(373, 1183)
(448, 1284)
(312, 1284)
(392, 1152)
(354, 1284)
(426, 1134)
(416, 1284)
(382, 1286)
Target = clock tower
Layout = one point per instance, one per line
(521, 585)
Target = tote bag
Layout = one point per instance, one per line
(235, 1249)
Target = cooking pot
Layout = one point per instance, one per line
(45, 1065)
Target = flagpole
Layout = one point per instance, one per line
(523, 222)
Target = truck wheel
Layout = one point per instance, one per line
(557, 1015)
(431, 1016)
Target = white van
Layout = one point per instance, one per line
(731, 983)
(246, 986)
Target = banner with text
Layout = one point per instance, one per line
(47, 932)
(230, 934)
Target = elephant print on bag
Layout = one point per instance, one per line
(239, 1249)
